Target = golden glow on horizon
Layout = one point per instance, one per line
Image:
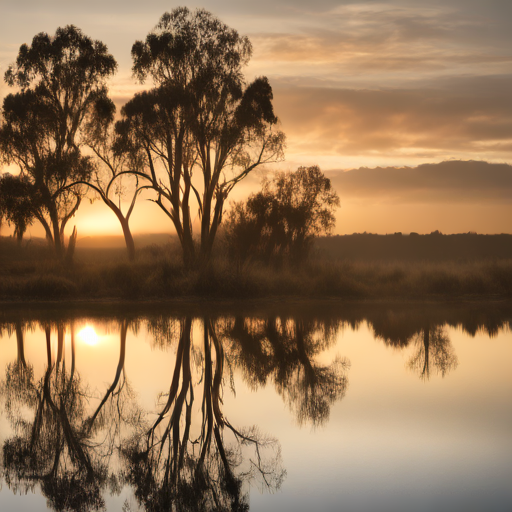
(88, 336)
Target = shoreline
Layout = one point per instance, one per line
(283, 299)
(278, 305)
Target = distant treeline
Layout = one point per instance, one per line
(415, 247)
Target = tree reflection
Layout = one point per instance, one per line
(51, 450)
(62, 449)
(75, 446)
(19, 388)
(175, 465)
(285, 350)
(69, 449)
(190, 457)
(396, 329)
(118, 409)
(434, 351)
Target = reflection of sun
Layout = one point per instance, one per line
(88, 335)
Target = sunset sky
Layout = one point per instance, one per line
(356, 84)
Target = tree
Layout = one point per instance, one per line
(114, 161)
(17, 203)
(198, 122)
(61, 79)
(284, 218)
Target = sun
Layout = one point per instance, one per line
(88, 335)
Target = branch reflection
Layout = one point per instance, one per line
(433, 351)
(206, 465)
(75, 446)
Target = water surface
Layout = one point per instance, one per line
(302, 406)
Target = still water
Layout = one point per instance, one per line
(265, 407)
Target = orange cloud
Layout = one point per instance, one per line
(471, 115)
(389, 41)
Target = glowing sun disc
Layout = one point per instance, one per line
(88, 335)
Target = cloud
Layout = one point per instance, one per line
(386, 41)
(471, 115)
(446, 182)
(351, 78)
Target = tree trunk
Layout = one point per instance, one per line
(19, 235)
(128, 238)
(71, 247)
(189, 254)
(57, 241)
(187, 241)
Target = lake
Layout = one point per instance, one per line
(321, 406)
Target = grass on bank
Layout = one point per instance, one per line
(29, 273)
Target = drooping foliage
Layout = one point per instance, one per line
(283, 219)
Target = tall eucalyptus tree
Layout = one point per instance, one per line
(201, 128)
(60, 79)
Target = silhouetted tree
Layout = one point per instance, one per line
(61, 79)
(17, 203)
(199, 121)
(284, 218)
(112, 164)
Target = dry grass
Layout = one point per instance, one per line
(30, 273)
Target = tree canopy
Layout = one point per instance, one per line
(17, 202)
